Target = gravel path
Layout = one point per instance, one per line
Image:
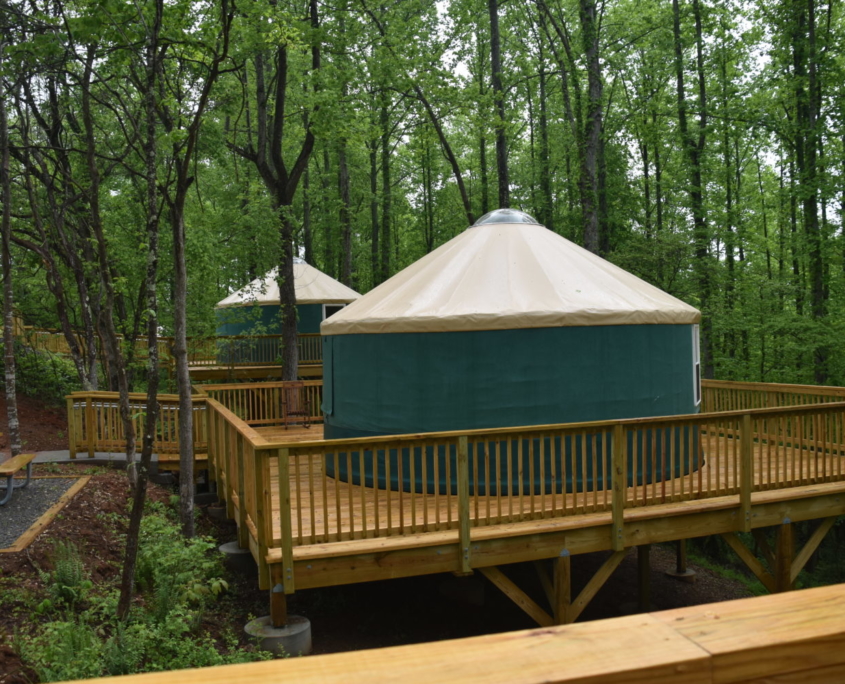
(27, 505)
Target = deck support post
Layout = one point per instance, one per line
(278, 606)
(784, 553)
(644, 577)
(562, 587)
(681, 571)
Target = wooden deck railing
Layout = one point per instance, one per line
(251, 350)
(512, 475)
(95, 425)
(259, 404)
(725, 395)
(294, 494)
(314, 492)
(233, 350)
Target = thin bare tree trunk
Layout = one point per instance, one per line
(499, 98)
(127, 580)
(6, 231)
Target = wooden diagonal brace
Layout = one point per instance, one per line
(519, 597)
(811, 545)
(593, 586)
(751, 561)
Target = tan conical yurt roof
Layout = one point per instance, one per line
(312, 287)
(508, 272)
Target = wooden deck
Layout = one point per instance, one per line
(328, 510)
(772, 455)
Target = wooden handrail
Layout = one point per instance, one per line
(685, 419)
(794, 636)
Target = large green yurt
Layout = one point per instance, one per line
(256, 306)
(507, 324)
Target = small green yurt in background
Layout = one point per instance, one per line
(318, 296)
(507, 324)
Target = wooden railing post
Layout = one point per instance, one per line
(619, 459)
(89, 425)
(243, 531)
(285, 520)
(746, 473)
(463, 503)
(71, 428)
(263, 515)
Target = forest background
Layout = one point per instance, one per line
(698, 144)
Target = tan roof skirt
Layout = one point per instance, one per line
(312, 287)
(508, 276)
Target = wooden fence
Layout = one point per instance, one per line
(233, 350)
(95, 425)
(251, 350)
(259, 404)
(725, 395)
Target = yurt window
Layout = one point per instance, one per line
(331, 309)
(696, 359)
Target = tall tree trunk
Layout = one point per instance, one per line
(593, 123)
(307, 234)
(375, 269)
(328, 224)
(694, 148)
(127, 580)
(180, 359)
(345, 218)
(386, 190)
(805, 60)
(108, 326)
(8, 303)
(547, 208)
(499, 98)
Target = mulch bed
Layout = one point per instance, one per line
(27, 505)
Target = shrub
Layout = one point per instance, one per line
(178, 578)
(43, 374)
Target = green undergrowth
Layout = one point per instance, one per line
(177, 580)
(752, 584)
(43, 375)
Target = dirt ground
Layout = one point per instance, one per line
(369, 615)
(43, 428)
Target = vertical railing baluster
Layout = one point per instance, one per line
(746, 473)
(619, 459)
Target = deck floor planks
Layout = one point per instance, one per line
(332, 510)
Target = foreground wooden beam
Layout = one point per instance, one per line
(793, 637)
